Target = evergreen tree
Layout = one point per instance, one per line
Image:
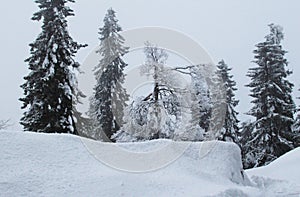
(51, 89)
(109, 99)
(273, 104)
(230, 129)
(244, 135)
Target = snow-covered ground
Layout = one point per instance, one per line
(282, 174)
(34, 164)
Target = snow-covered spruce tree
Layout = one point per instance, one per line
(154, 116)
(51, 89)
(109, 99)
(230, 129)
(273, 104)
(245, 134)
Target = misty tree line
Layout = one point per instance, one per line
(172, 111)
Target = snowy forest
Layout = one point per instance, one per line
(202, 109)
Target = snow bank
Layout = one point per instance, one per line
(34, 164)
(213, 158)
(217, 159)
(279, 178)
(285, 167)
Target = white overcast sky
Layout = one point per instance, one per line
(227, 29)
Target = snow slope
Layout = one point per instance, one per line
(283, 169)
(34, 164)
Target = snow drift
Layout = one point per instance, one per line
(285, 167)
(212, 158)
(34, 164)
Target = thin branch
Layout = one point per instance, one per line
(4, 124)
(185, 68)
(186, 73)
(148, 97)
(180, 69)
(166, 89)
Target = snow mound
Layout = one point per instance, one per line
(217, 159)
(211, 159)
(279, 178)
(285, 167)
(34, 164)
